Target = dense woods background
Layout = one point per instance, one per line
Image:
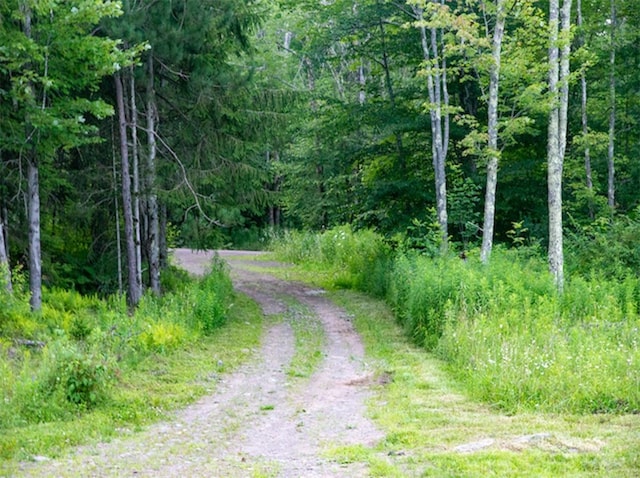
(128, 127)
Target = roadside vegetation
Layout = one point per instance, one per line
(87, 369)
(502, 329)
(505, 377)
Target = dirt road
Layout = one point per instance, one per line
(260, 421)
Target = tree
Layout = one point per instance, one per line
(611, 186)
(55, 62)
(5, 270)
(134, 286)
(431, 33)
(492, 166)
(559, 50)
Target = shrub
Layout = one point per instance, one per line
(211, 300)
(162, 336)
(85, 380)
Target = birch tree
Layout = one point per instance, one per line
(559, 50)
(492, 165)
(436, 73)
(611, 171)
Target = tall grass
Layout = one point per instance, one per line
(66, 360)
(502, 329)
(353, 259)
(518, 344)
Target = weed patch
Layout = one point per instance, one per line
(86, 367)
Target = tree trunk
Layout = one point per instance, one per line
(134, 287)
(558, 89)
(611, 189)
(117, 216)
(438, 100)
(135, 159)
(35, 256)
(150, 183)
(5, 270)
(162, 238)
(33, 199)
(585, 123)
(492, 166)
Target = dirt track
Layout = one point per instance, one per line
(260, 421)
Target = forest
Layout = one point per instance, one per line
(461, 159)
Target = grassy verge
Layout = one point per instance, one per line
(434, 429)
(503, 329)
(161, 382)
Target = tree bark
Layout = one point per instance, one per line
(5, 269)
(134, 288)
(35, 255)
(438, 100)
(558, 89)
(33, 198)
(162, 238)
(150, 182)
(117, 215)
(135, 159)
(611, 189)
(492, 165)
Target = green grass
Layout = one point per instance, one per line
(426, 414)
(161, 382)
(503, 329)
(309, 339)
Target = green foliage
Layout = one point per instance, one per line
(516, 343)
(73, 356)
(212, 298)
(606, 247)
(355, 259)
(503, 329)
(84, 380)
(137, 392)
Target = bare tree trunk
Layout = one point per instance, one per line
(162, 238)
(134, 287)
(135, 159)
(565, 53)
(35, 255)
(611, 189)
(438, 100)
(558, 89)
(5, 269)
(585, 123)
(117, 213)
(492, 166)
(150, 182)
(33, 199)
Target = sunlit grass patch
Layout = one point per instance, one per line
(434, 428)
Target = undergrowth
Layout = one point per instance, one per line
(77, 357)
(502, 329)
